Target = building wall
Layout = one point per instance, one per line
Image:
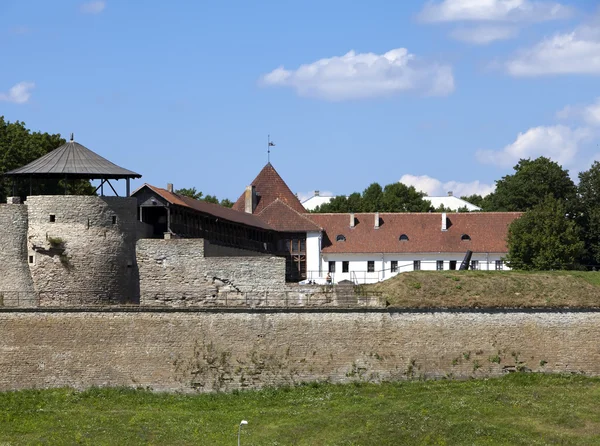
(16, 285)
(358, 264)
(313, 254)
(207, 351)
(177, 272)
(87, 254)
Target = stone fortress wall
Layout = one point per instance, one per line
(16, 284)
(202, 351)
(76, 252)
(83, 249)
(71, 250)
(65, 250)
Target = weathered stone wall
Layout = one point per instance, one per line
(84, 249)
(213, 250)
(16, 286)
(176, 271)
(206, 351)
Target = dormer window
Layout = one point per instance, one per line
(340, 238)
(403, 238)
(465, 237)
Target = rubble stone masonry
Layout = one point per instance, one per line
(83, 249)
(16, 286)
(205, 351)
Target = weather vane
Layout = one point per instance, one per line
(269, 145)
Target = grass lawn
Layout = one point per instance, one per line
(525, 409)
(491, 289)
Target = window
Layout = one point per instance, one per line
(371, 266)
(52, 218)
(439, 265)
(417, 265)
(474, 264)
(452, 265)
(345, 266)
(465, 237)
(332, 267)
(403, 238)
(340, 238)
(114, 219)
(30, 259)
(499, 265)
(394, 266)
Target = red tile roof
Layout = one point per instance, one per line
(282, 217)
(269, 187)
(209, 208)
(487, 232)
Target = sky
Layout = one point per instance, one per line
(443, 95)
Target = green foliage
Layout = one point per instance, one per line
(589, 218)
(18, 147)
(225, 202)
(544, 238)
(56, 242)
(395, 197)
(475, 199)
(532, 181)
(198, 195)
(190, 192)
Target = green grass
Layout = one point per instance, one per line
(470, 289)
(519, 409)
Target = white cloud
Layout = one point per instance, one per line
(18, 94)
(95, 7)
(493, 10)
(434, 187)
(560, 143)
(482, 35)
(577, 52)
(591, 113)
(365, 75)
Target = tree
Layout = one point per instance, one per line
(589, 218)
(18, 147)
(226, 203)
(198, 195)
(190, 192)
(532, 181)
(475, 199)
(398, 197)
(337, 204)
(395, 197)
(544, 238)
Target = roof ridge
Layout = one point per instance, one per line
(291, 208)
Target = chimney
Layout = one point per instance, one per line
(250, 199)
(376, 220)
(170, 187)
(444, 222)
(316, 193)
(352, 219)
(449, 193)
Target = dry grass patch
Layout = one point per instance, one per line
(491, 289)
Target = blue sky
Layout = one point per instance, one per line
(445, 95)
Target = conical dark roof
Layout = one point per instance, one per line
(73, 160)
